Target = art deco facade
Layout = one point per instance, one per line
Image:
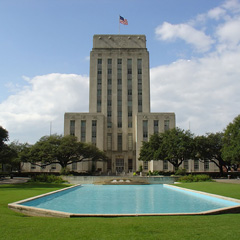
(119, 117)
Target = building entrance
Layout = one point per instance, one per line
(119, 165)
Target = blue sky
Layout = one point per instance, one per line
(44, 59)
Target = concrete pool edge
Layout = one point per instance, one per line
(34, 211)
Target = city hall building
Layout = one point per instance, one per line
(119, 117)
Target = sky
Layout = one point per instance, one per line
(45, 46)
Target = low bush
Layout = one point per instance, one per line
(195, 178)
(47, 178)
(155, 173)
(181, 171)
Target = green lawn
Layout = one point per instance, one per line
(17, 226)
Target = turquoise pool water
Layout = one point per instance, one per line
(128, 199)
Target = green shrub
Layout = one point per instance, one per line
(181, 171)
(155, 173)
(195, 178)
(47, 178)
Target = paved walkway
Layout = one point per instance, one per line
(228, 180)
(14, 180)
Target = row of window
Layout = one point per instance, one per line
(119, 88)
(186, 165)
(109, 115)
(145, 165)
(120, 141)
(83, 130)
(155, 128)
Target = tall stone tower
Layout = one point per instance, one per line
(119, 117)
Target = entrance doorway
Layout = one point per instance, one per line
(119, 164)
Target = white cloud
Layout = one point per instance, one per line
(216, 13)
(228, 33)
(27, 114)
(203, 92)
(198, 39)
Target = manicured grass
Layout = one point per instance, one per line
(17, 226)
(224, 189)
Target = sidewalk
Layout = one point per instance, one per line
(227, 180)
(14, 180)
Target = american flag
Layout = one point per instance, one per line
(123, 20)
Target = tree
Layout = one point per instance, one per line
(175, 146)
(209, 148)
(61, 150)
(10, 155)
(3, 136)
(231, 142)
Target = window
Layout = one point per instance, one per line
(72, 127)
(74, 166)
(109, 124)
(145, 165)
(99, 71)
(99, 61)
(99, 103)
(94, 132)
(166, 125)
(94, 123)
(119, 142)
(165, 165)
(130, 165)
(130, 141)
(99, 82)
(196, 165)
(53, 166)
(119, 61)
(145, 130)
(109, 141)
(109, 164)
(129, 71)
(33, 166)
(119, 124)
(206, 165)
(109, 81)
(129, 104)
(83, 131)
(109, 71)
(109, 113)
(119, 81)
(109, 61)
(155, 126)
(119, 92)
(185, 164)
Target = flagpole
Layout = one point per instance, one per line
(119, 24)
